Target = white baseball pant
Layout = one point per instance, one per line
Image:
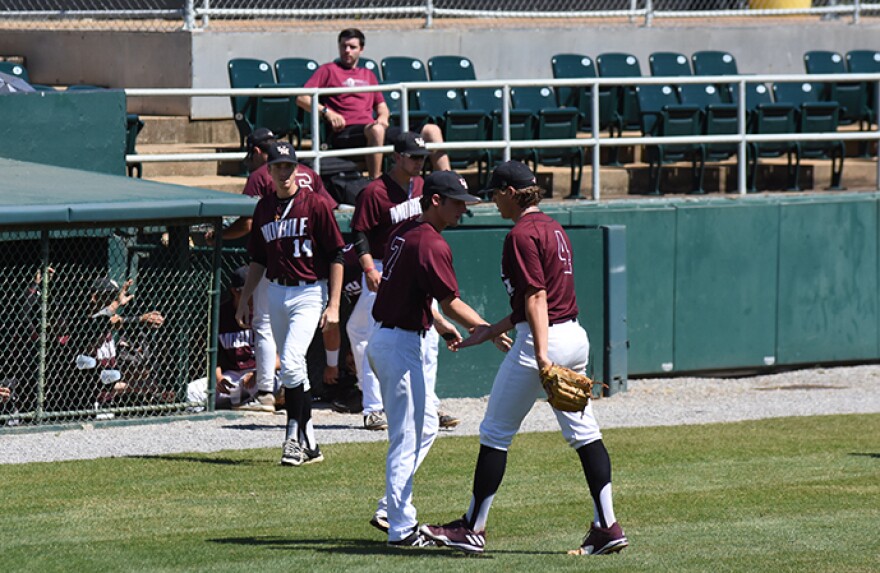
(197, 390)
(264, 343)
(359, 327)
(517, 385)
(397, 358)
(295, 312)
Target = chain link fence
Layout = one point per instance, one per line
(170, 15)
(103, 323)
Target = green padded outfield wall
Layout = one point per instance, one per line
(477, 258)
(718, 283)
(82, 130)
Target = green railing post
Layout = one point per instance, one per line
(44, 322)
(214, 326)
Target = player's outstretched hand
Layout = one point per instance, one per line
(330, 319)
(4, 393)
(479, 335)
(153, 318)
(123, 298)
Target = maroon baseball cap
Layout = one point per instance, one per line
(514, 174)
(281, 152)
(448, 184)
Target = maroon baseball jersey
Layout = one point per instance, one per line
(236, 351)
(537, 253)
(382, 205)
(260, 184)
(356, 107)
(417, 270)
(295, 238)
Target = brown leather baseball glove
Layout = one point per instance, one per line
(567, 390)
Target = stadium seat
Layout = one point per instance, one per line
(451, 69)
(15, 69)
(372, 66)
(522, 127)
(662, 115)
(866, 62)
(796, 93)
(446, 108)
(417, 118)
(719, 118)
(248, 73)
(572, 66)
(397, 69)
(619, 65)
(715, 63)
(851, 97)
(487, 99)
(552, 122)
(767, 117)
(294, 73)
(669, 64)
(817, 117)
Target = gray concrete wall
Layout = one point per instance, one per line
(181, 59)
(106, 58)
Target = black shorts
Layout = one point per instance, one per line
(353, 136)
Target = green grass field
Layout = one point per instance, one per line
(792, 494)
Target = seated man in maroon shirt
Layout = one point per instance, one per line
(350, 115)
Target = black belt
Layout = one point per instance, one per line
(562, 321)
(420, 332)
(291, 282)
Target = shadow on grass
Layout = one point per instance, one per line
(213, 461)
(363, 547)
(253, 427)
(866, 454)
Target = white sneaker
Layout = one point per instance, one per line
(292, 453)
(262, 402)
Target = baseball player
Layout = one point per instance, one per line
(387, 201)
(297, 245)
(418, 269)
(259, 184)
(536, 269)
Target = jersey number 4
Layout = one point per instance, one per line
(563, 251)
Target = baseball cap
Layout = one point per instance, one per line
(511, 174)
(104, 284)
(448, 184)
(257, 137)
(238, 277)
(281, 152)
(411, 144)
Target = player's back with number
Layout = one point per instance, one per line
(537, 253)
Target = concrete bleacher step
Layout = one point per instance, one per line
(167, 130)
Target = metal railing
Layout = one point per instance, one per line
(195, 15)
(594, 142)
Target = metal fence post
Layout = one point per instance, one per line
(206, 19)
(429, 13)
(649, 13)
(857, 8)
(189, 16)
(594, 132)
(44, 323)
(742, 156)
(505, 119)
(214, 317)
(616, 338)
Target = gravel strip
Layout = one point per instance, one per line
(657, 402)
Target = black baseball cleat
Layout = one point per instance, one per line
(414, 539)
(380, 522)
(602, 541)
(457, 535)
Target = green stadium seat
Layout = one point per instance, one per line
(663, 115)
(451, 69)
(572, 66)
(294, 73)
(866, 62)
(817, 117)
(372, 66)
(487, 99)
(851, 97)
(716, 63)
(669, 64)
(719, 118)
(446, 108)
(247, 73)
(417, 118)
(398, 69)
(620, 65)
(15, 69)
(767, 117)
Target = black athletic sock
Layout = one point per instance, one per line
(597, 469)
(293, 405)
(306, 431)
(488, 475)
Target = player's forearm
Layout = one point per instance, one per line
(539, 323)
(460, 312)
(238, 229)
(335, 286)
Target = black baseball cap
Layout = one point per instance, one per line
(448, 184)
(511, 174)
(411, 144)
(238, 277)
(281, 152)
(257, 137)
